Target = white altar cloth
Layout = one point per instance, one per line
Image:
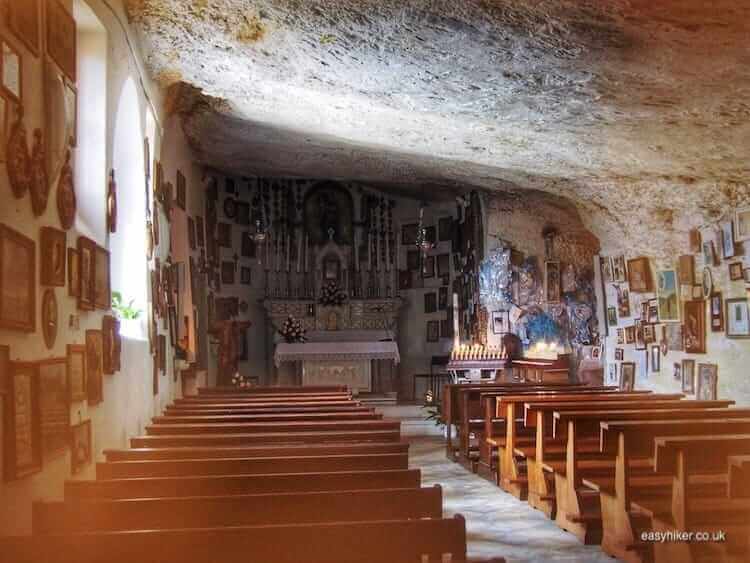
(336, 351)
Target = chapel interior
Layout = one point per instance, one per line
(358, 281)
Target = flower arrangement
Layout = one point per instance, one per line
(240, 381)
(293, 331)
(332, 295)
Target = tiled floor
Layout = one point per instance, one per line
(497, 523)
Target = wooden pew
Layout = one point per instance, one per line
(237, 510)
(393, 541)
(577, 507)
(143, 454)
(264, 399)
(221, 485)
(267, 437)
(209, 411)
(250, 466)
(269, 390)
(253, 427)
(270, 417)
(620, 521)
(739, 474)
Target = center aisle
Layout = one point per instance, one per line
(496, 522)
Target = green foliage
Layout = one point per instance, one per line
(123, 311)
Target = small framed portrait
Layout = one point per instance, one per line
(737, 318)
(430, 302)
(694, 329)
(23, 430)
(74, 274)
(655, 358)
(652, 312)
(61, 38)
(627, 376)
(191, 233)
(17, 281)
(227, 272)
(605, 266)
(76, 368)
(94, 367)
(102, 288)
(639, 275)
(640, 343)
(552, 281)
(428, 267)
(677, 371)
(409, 234)
(649, 333)
(612, 316)
(612, 374)
(443, 265)
(735, 271)
(86, 263)
(619, 354)
(412, 260)
(674, 337)
(243, 213)
(619, 271)
(667, 303)
(727, 239)
(404, 279)
(630, 334)
(686, 269)
(445, 229)
(12, 72)
(181, 191)
(623, 301)
(709, 253)
(80, 446)
(620, 336)
(53, 405)
(717, 312)
(53, 252)
(707, 284)
(111, 345)
(707, 382)
(433, 331)
(688, 376)
(224, 234)
(245, 276)
(695, 240)
(596, 352)
(742, 224)
(500, 322)
(443, 298)
(200, 237)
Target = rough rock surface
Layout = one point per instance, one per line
(638, 111)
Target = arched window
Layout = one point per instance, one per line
(128, 244)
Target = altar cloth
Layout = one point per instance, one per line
(335, 351)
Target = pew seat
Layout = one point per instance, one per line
(173, 440)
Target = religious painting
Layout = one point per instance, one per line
(412, 260)
(76, 372)
(694, 327)
(443, 298)
(191, 233)
(619, 354)
(329, 214)
(695, 240)
(110, 345)
(644, 311)
(404, 279)
(199, 232)
(428, 267)
(735, 271)
(102, 290)
(652, 312)
(17, 281)
(245, 276)
(166, 204)
(49, 318)
(627, 376)
(640, 343)
(737, 318)
(727, 239)
(409, 234)
(81, 446)
(639, 275)
(87, 261)
(666, 295)
(619, 272)
(623, 301)
(74, 274)
(707, 285)
(23, 20)
(673, 334)
(709, 253)
(605, 267)
(655, 358)
(12, 72)
(620, 336)
(443, 265)
(61, 38)
(53, 404)
(717, 312)
(742, 224)
(53, 248)
(445, 229)
(552, 281)
(649, 333)
(248, 249)
(677, 371)
(430, 302)
(611, 374)
(500, 322)
(224, 231)
(687, 370)
(181, 193)
(94, 367)
(23, 441)
(242, 216)
(433, 331)
(707, 382)
(686, 269)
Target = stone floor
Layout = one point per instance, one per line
(497, 523)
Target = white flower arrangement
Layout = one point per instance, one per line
(240, 381)
(293, 331)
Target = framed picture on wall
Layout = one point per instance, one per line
(53, 252)
(500, 322)
(94, 367)
(717, 312)
(191, 233)
(17, 281)
(688, 376)
(76, 367)
(639, 275)
(102, 289)
(53, 405)
(612, 316)
(709, 253)
(110, 344)
(627, 376)
(619, 271)
(12, 72)
(619, 354)
(686, 269)
(737, 318)
(81, 446)
(694, 329)
(199, 232)
(181, 194)
(707, 382)
(742, 224)
(22, 453)
(86, 262)
(74, 274)
(23, 20)
(61, 38)
(162, 354)
(727, 239)
(735, 271)
(667, 297)
(655, 358)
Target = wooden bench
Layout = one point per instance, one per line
(393, 541)
(70, 517)
(264, 400)
(252, 427)
(221, 485)
(270, 417)
(142, 454)
(209, 411)
(739, 474)
(250, 466)
(620, 522)
(280, 390)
